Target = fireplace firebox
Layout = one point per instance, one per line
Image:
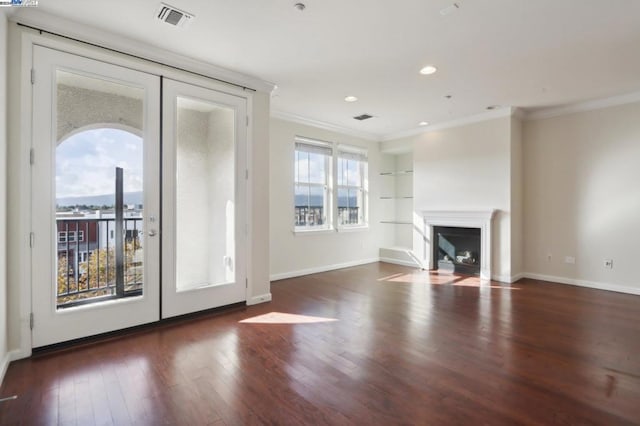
(457, 249)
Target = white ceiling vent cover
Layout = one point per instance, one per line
(174, 16)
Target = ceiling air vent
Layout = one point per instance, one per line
(363, 117)
(174, 16)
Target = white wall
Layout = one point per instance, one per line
(582, 197)
(259, 201)
(295, 254)
(4, 360)
(466, 168)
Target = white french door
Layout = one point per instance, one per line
(97, 178)
(95, 197)
(204, 199)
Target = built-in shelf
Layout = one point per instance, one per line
(398, 173)
(396, 198)
(396, 222)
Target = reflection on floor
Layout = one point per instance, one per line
(283, 318)
(444, 278)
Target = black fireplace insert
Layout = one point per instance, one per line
(457, 249)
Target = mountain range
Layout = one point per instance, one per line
(130, 198)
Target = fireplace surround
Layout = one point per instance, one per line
(480, 219)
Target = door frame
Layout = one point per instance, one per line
(26, 41)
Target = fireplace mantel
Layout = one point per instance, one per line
(463, 219)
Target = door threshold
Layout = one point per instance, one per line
(129, 331)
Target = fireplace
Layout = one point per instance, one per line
(457, 249)
(478, 221)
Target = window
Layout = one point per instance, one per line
(64, 237)
(352, 188)
(312, 186)
(316, 172)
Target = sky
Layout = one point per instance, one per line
(86, 162)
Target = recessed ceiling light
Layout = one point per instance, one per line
(423, 123)
(428, 70)
(350, 99)
(300, 6)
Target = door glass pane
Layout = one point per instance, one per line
(205, 194)
(98, 154)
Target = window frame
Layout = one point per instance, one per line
(344, 151)
(326, 187)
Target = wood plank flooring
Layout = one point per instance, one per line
(378, 344)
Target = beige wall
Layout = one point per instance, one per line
(293, 254)
(467, 168)
(517, 198)
(3, 194)
(582, 196)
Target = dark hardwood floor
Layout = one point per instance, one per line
(375, 344)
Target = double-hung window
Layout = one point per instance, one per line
(352, 186)
(331, 186)
(312, 179)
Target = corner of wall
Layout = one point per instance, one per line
(517, 197)
(4, 356)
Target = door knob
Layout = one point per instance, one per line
(152, 233)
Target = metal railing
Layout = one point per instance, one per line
(93, 265)
(314, 216)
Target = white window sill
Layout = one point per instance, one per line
(322, 231)
(359, 228)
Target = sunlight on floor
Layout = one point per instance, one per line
(283, 318)
(440, 278)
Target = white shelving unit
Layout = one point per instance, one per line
(396, 199)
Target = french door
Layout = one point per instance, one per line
(204, 199)
(96, 188)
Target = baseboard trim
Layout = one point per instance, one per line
(517, 277)
(318, 269)
(399, 262)
(263, 298)
(4, 364)
(508, 279)
(584, 283)
(18, 354)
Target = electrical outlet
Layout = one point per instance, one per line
(608, 263)
(569, 259)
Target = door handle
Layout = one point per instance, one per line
(152, 233)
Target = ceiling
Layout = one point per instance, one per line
(520, 53)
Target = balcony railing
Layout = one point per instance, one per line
(93, 265)
(314, 215)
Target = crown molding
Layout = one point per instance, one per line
(595, 104)
(72, 29)
(287, 116)
(485, 116)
